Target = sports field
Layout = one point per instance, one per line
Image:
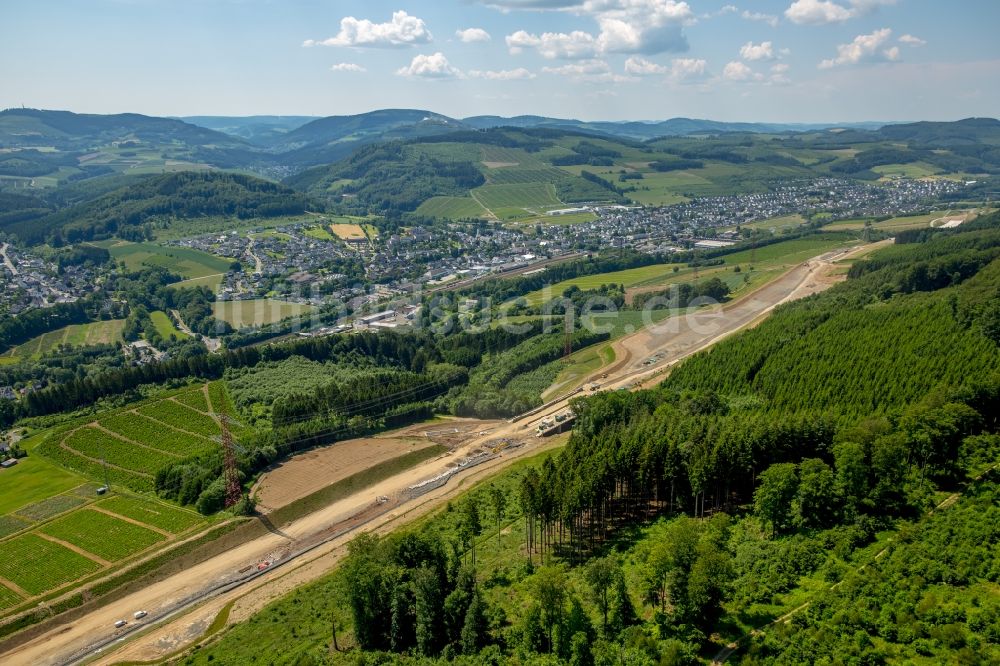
(521, 200)
(257, 311)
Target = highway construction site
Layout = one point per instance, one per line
(233, 585)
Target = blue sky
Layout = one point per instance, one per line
(755, 60)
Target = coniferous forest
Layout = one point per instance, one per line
(837, 461)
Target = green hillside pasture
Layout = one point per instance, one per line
(78, 335)
(451, 208)
(165, 326)
(107, 537)
(788, 253)
(569, 218)
(774, 224)
(37, 565)
(210, 281)
(183, 261)
(895, 223)
(150, 512)
(257, 312)
(512, 201)
(664, 189)
(629, 277)
(911, 170)
(518, 174)
(180, 417)
(33, 480)
(138, 428)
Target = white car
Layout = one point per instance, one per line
(120, 623)
(139, 615)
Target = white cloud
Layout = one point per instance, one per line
(347, 67)
(779, 74)
(551, 45)
(817, 12)
(910, 40)
(864, 48)
(590, 70)
(434, 66)
(821, 12)
(472, 35)
(642, 67)
(624, 26)
(582, 68)
(679, 69)
(769, 19)
(502, 75)
(401, 30)
(686, 69)
(754, 52)
(739, 71)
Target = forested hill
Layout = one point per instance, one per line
(157, 200)
(72, 131)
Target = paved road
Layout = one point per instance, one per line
(6, 260)
(667, 344)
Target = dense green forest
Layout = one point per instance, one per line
(799, 461)
(157, 200)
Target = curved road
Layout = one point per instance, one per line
(199, 592)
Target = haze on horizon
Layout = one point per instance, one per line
(765, 61)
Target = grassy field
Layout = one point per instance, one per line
(320, 233)
(186, 262)
(568, 218)
(33, 479)
(256, 312)
(911, 170)
(895, 223)
(78, 335)
(629, 277)
(165, 326)
(452, 208)
(517, 201)
(581, 365)
(775, 224)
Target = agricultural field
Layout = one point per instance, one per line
(911, 170)
(629, 277)
(899, 223)
(105, 536)
(775, 224)
(257, 312)
(186, 262)
(156, 514)
(452, 208)
(78, 335)
(165, 326)
(517, 201)
(37, 565)
(568, 218)
(346, 231)
(137, 441)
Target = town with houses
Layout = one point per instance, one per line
(296, 264)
